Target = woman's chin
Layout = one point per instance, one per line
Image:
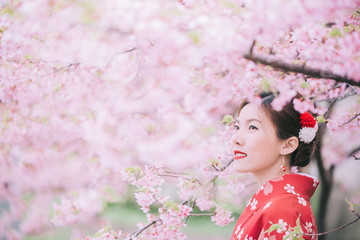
(240, 168)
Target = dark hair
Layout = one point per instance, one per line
(287, 124)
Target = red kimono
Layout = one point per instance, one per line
(281, 201)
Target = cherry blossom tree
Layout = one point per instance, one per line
(99, 95)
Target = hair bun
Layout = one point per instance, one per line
(301, 156)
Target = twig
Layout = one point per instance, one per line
(66, 68)
(176, 173)
(223, 168)
(138, 232)
(192, 206)
(202, 214)
(333, 230)
(252, 47)
(349, 94)
(116, 54)
(219, 170)
(228, 164)
(332, 102)
(173, 176)
(353, 118)
(213, 180)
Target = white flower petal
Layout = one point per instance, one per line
(307, 134)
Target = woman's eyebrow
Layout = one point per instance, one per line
(249, 120)
(253, 119)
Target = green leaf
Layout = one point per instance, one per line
(93, 160)
(320, 119)
(356, 13)
(171, 205)
(351, 205)
(273, 227)
(213, 161)
(106, 228)
(141, 189)
(305, 85)
(74, 194)
(227, 119)
(111, 194)
(59, 87)
(335, 32)
(132, 170)
(28, 197)
(200, 82)
(28, 57)
(151, 128)
(195, 37)
(348, 29)
(265, 85)
(209, 130)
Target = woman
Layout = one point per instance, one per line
(268, 144)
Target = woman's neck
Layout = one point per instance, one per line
(268, 174)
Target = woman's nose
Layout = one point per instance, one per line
(237, 139)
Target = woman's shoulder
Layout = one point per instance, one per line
(286, 202)
(287, 207)
(287, 211)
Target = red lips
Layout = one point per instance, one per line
(239, 155)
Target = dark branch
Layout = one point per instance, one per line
(222, 168)
(251, 48)
(311, 72)
(192, 206)
(119, 53)
(137, 233)
(353, 118)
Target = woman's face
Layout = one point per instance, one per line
(255, 145)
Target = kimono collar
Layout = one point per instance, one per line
(299, 184)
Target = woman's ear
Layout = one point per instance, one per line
(290, 145)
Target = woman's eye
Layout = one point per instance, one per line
(236, 127)
(252, 127)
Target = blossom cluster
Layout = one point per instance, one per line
(171, 216)
(107, 233)
(88, 88)
(222, 217)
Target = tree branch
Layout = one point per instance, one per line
(309, 71)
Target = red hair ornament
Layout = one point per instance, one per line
(307, 120)
(309, 127)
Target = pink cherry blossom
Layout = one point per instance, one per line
(93, 93)
(222, 217)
